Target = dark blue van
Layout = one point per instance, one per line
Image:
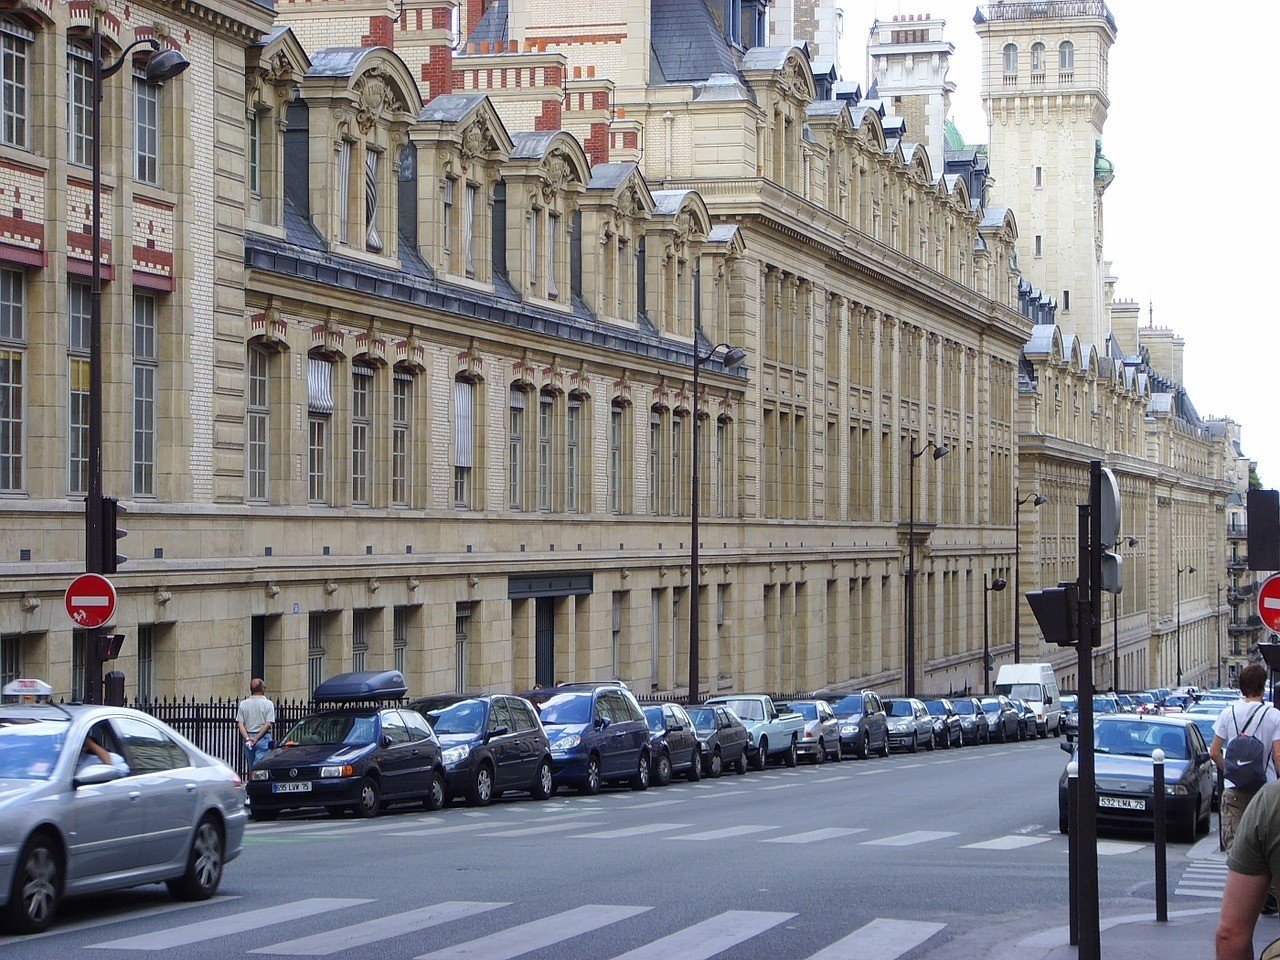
(598, 735)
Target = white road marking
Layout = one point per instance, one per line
(654, 803)
(537, 934)
(440, 831)
(1011, 842)
(1116, 848)
(540, 829)
(768, 776)
(381, 928)
(710, 937)
(639, 831)
(843, 776)
(910, 839)
(476, 813)
(141, 913)
(780, 786)
(726, 793)
(226, 926)
(813, 836)
(742, 830)
(881, 940)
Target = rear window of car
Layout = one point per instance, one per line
(746, 709)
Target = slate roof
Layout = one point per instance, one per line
(492, 27)
(451, 107)
(723, 86)
(338, 61)
(687, 43)
(994, 216)
(1041, 338)
(666, 203)
(766, 58)
(722, 233)
(609, 176)
(531, 145)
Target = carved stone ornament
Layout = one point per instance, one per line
(559, 175)
(375, 98)
(628, 203)
(477, 140)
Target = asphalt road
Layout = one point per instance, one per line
(908, 857)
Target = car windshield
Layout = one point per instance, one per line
(564, 708)
(351, 729)
(1069, 703)
(746, 709)
(964, 706)
(703, 719)
(1137, 738)
(936, 708)
(990, 706)
(899, 708)
(1145, 697)
(1104, 705)
(657, 723)
(1024, 691)
(850, 706)
(29, 747)
(467, 716)
(806, 710)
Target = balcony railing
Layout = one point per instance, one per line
(1010, 79)
(1238, 529)
(1238, 563)
(1066, 76)
(1047, 10)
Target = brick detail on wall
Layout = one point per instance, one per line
(381, 33)
(437, 72)
(597, 143)
(550, 117)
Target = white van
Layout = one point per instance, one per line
(1036, 684)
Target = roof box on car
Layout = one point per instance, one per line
(362, 685)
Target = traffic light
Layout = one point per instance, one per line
(109, 645)
(112, 534)
(1263, 515)
(1057, 612)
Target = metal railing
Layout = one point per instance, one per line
(1047, 10)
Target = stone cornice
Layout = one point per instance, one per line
(242, 19)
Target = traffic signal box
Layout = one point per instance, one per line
(1057, 611)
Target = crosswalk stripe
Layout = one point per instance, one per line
(642, 830)
(710, 937)
(141, 913)
(476, 813)
(725, 833)
(225, 926)
(814, 836)
(881, 939)
(782, 786)
(537, 934)
(769, 776)
(649, 805)
(1116, 848)
(440, 831)
(1011, 842)
(1207, 894)
(843, 776)
(909, 839)
(381, 928)
(540, 829)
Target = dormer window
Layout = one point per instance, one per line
(733, 21)
(372, 160)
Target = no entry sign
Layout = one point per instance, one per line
(91, 601)
(1269, 603)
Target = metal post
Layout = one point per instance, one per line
(1178, 605)
(909, 686)
(1090, 529)
(1115, 642)
(1217, 590)
(695, 607)
(1073, 851)
(986, 642)
(1158, 813)
(1017, 576)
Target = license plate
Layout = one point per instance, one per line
(304, 787)
(1122, 803)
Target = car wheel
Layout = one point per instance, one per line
(762, 754)
(884, 747)
(590, 785)
(37, 887)
(915, 743)
(715, 764)
(838, 756)
(695, 768)
(931, 743)
(792, 757)
(544, 786)
(740, 765)
(204, 864)
(863, 750)
(436, 796)
(821, 755)
(264, 816)
(1202, 825)
(641, 780)
(370, 799)
(480, 793)
(662, 770)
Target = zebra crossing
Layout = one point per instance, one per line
(428, 928)
(1203, 878)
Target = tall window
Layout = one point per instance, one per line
(720, 481)
(546, 449)
(79, 104)
(359, 639)
(399, 637)
(257, 423)
(1037, 58)
(733, 21)
(463, 441)
(319, 410)
(15, 55)
(498, 237)
(78, 296)
(344, 191)
(79, 655)
(655, 461)
(253, 123)
(617, 430)
(573, 455)
(372, 239)
(315, 649)
(1010, 60)
(10, 658)
(677, 464)
(642, 306)
(461, 633)
(533, 246)
(361, 413)
(146, 130)
(1066, 56)
(515, 449)
(13, 333)
(615, 633)
(145, 359)
(447, 199)
(401, 412)
(553, 236)
(146, 662)
(469, 229)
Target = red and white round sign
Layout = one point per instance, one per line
(91, 601)
(1269, 603)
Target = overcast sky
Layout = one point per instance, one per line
(1188, 217)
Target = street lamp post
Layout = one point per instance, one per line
(940, 450)
(1115, 631)
(161, 65)
(996, 586)
(1018, 503)
(1217, 616)
(1178, 602)
(732, 357)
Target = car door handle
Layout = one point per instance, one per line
(135, 794)
(191, 788)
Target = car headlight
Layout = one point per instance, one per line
(1176, 789)
(938, 724)
(261, 775)
(455, 754)
(966, 721)
(849, 728)
(566, 743)
(338, 770)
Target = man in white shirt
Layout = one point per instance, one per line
(1249, 716)
(254, 720)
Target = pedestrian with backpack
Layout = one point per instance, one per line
(1249, 730)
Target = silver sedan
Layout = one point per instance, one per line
(99, 798)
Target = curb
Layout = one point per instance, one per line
(1059, 936)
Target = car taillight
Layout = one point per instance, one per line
(235, 779)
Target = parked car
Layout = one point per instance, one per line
(489, 745)
(352, 758)
(1036, 684)
(598, 735)
(973, 722)
(863, 725)
(1028, 722)
(1103, 705)
(1123, 745)
(775, 731)
(723, 739)
(673, 744)
(820, 740)
(910, 725)
(1003, 717)
(948, 729)
(162, 811)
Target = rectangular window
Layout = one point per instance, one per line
(401, 412)
(546, 409)
(13, 332)
(359, 639)
(315, 650)
(399, 637)
(619, 602)
(461, 632)
(677, 465)
(655, 462)
(344, 191)
(642, 306)
(146, 131)
(572, 455)
(463, 442)
(10, 658)
(1039, 245)
(533, 247)
(254, 124)
(616, 426)
(469, 230)
(79, 656)
(553, 236)
(498, 241)
(319, 410)
(720, 483)
(372, 239)
(575, 254)
(146, 662)
(361, 413)
(257, 424)
(78, 388)
(79, 104)
(145, 360)
(1066, 299)
(15, 54)
(446, 196)
(515, 450)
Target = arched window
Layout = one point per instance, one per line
(1011, 59)
(1066, 56)
(1037, 58)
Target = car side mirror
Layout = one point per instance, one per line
(386, 741)
(604, 723)
(498, 732)
(96, 774)
(1066, 748)
(1202, 757)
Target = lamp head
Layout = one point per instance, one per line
(1039, 501)
(999, 584)
(940, 451)
(1191, 569)
(165, 65)
(1133, 541)
(734, 356)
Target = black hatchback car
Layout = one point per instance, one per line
(673, 744)
(489, 745)
(1004, 718)
(864, 728)
(359, 757)
(723, 738)
(948, 730)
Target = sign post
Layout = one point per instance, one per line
(90, 601)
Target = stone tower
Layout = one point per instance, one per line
(819, 23)
(909, 60)
(1044, 89)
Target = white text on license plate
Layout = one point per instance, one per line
(304, 787)
(1122, 803)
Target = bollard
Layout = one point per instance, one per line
(1158, 816)
(1073, 868)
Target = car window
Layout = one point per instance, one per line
(500, 716)
(393, 727)
(419, 729)
(520, 716)
(631, 709)
(723, 716)
(606, 707)
(148, 749)
(564, 707)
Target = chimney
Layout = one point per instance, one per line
(1125, 315)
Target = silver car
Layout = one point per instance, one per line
(820, 741)
(910, 725)
(97, 798)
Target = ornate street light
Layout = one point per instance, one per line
(940, 450)
(1018, 503)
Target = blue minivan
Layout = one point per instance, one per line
(598, 735)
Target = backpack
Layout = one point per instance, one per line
(1246, 756)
